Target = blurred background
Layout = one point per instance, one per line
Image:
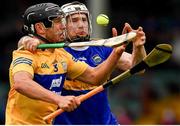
(151, 98)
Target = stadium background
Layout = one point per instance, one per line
(152, 98)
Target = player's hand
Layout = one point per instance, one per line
(29, 43)
(140, 39)
(121, 48)
(69, 103)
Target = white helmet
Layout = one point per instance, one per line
(77, 7)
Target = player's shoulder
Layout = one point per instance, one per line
(22, 52)
(61, 51)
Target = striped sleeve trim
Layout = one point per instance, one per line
(21, 60)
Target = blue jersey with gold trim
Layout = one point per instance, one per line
(95, 110)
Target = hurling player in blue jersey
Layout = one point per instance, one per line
(95, 110)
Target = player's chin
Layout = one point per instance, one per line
(61, 38)
(82, 35)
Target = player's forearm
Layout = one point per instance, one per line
(98, 75)
(138, 54)
(103, 71)
(33, 90)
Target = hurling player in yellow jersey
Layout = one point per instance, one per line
(36, 79)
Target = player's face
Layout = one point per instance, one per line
(56, 32)
(77, 25)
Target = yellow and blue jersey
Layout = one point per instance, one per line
(49, 69)
(95, 110)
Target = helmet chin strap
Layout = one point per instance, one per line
(39, 37)
(80, 39)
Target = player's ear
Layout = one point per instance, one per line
(40, 28)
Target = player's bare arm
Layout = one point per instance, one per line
(98, 75)
(138, 44)
(24, 84)
(128, 60)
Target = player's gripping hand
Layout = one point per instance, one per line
(69, 103)
(140, 38)
(29, 43)
(121, 48)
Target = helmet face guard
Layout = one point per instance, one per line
(44, 12)
(77, 8)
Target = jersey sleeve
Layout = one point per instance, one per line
(75, 67)
(107, 51)
(22, 61)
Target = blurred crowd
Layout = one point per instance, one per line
(152, 98)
